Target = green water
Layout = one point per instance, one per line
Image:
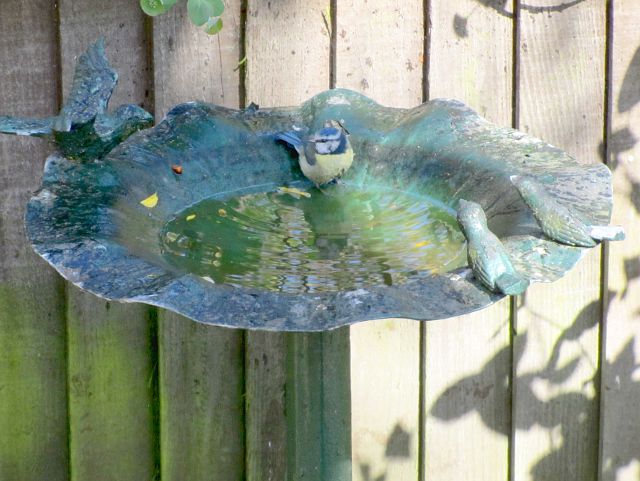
(344, 237)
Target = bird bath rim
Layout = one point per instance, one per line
(76, 220)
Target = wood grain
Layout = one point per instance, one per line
(191, 65)
(555, 405)
(33, 394)
(201, 367)
(467, 369)
(620, 435)
(379, 51)
(110, 346)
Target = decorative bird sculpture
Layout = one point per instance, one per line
(557, 221)
(83, 129)
(324, 156)
(486, 255)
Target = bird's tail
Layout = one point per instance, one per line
(606, 232)
(290, 138)
(511, 284)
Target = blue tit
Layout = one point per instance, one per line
(486, 255)
(324, 156)
(559, 223)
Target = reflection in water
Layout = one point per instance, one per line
(343, 238)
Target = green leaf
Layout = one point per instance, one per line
(200, 11)
(156, 7)
(214, 25)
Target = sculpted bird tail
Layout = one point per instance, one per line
(606, 232)
(290, 138)
(511, 284)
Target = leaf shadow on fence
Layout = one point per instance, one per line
(501, 7)
(568, 412)
(397, 449)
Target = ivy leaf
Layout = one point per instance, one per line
(214, 25)
(156, 7)
(200, 11)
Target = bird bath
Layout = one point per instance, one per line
(208, 215)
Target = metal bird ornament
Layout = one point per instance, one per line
(559, 223)
(324, 156)
(83, 129)
(486, 255)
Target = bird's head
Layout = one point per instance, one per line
(470, 214)
(529, 189)
(331, 139)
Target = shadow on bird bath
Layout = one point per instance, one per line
(209, 214)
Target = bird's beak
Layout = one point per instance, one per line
(343, 127)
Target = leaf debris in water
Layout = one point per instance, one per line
(177, 169)
(191, 216)
(151, 201)
(222, 212)
(297, 193)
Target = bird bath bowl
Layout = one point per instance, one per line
(192, 216)
(208, 215)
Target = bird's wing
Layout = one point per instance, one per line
(290, 138)
(480, 264)
(93, 84)
(31, 127)
(563, 227)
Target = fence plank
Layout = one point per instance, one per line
(468, 359)
(287, 62)
(110, 351)
(379, 53)
(191, 65)
(561, 98)
(620, 386)
(201, 367)
(33, 394)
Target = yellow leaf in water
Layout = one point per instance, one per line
(421, 244)
(222, 212)
(294, 192)
(191, 216)
(151, 201)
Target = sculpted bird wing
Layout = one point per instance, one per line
(560, 225)
(93, 83)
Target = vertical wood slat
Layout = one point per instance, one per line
(620, 434)
(111, 346)
(33, 397)
(201, 367)
(288, 61)
(379, 53)
(468, 358)
(561, 100)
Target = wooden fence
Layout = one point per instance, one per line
(545, 387)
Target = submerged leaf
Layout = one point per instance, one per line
(191, 216)
(176, 169)
(151, 201)
(294, 192)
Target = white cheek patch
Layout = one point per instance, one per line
(327, 147)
